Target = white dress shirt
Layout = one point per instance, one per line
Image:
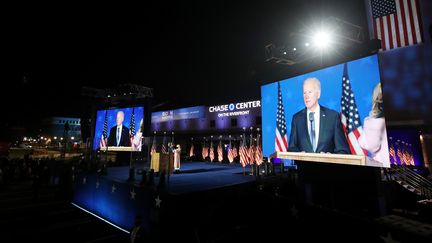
(317, 122)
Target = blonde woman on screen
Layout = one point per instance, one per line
(374, 136)
(137, 140)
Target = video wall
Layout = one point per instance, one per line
(344, 114)
(121, 127)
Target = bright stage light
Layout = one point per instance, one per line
(307, 44)
(322, 39)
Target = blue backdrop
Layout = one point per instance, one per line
(363, 73)
(100, 117)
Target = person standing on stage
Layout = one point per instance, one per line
(177, 153)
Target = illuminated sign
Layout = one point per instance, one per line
(235, 106)
(179, 114)
(235, 109)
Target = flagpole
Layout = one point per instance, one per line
(229, 149)
(131, 162)
(251, 155)
(259, 157)
(244, 141)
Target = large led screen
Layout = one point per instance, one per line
(122, 127)
(338, 109)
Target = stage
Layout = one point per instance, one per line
(198, 187)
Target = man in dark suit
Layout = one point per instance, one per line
(119, 134)
(316, 128)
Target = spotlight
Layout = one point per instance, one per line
(322, 39)
(284, 52)
(307, 44)
(294, 49)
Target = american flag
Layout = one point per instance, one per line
(392, 154)
(164, 149)
(349, 115)
(410, 155)
(400, 155)
(258, 152)
(204, 152)
(220, 151)
(211, 151)
(243, 152)
(132, 126)
(234, 151)
(104, 137)
(281, 144)
(153, 148)
(230, 153)
(191, 151)
(251, 154)
(407, 156)
(397, 23)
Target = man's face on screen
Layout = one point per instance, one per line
(119, 118)
(311, 94)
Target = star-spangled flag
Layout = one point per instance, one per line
(397, 23)
(410, 155)
(400, 156)
(164, 149)
(392, 154)
(220, 151)
(235, 151)
(243, 152)
(349, 115)
(154, 146)
(104, 137)
(191, 151)
(230, 153)
(281, 141)
(132, 127)
(204, 152)
(258, 152)
(211, 151)
(251, 152)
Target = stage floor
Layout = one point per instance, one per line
(193, 177)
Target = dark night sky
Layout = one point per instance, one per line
(200, 52)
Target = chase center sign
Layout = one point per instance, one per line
(234, 109)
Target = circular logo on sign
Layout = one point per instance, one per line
(231, 107)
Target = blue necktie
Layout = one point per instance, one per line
(312, 130)
(118, 136)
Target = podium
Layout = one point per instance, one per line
(117, 149)
(344, 182)
(120, 155)
(347, 159)
(160, 161)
